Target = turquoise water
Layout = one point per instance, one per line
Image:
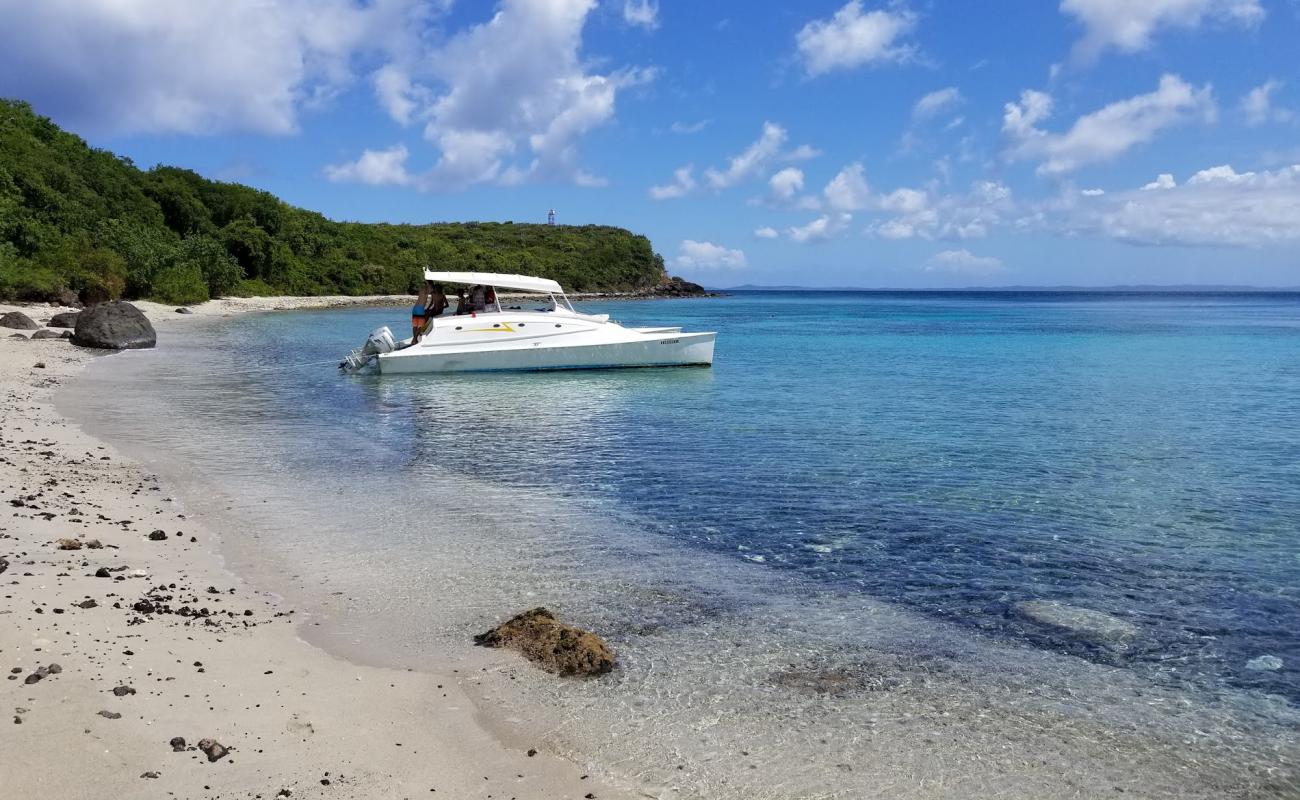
(945, 456)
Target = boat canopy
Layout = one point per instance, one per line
(526, 283)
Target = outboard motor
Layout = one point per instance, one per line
(379, 341)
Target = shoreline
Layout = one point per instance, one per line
(229, 664)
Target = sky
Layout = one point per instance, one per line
(901, 143)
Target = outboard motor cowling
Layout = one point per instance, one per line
(379, 341)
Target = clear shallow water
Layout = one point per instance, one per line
(854, 500)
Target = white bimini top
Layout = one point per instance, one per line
(525, 283)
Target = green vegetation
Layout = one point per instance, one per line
(77, 219)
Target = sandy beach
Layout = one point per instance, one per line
(106, 576)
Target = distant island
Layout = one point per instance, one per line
(82, 223)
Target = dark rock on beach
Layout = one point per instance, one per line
(4, 565)
(178, 744)
(158, 536)
(214, 750)
(552, 645)
(48, 334)
(114, 326)
(68, 319)
(110, 714)
(183, 311)
(18, 321)
(41, 673)
(122, 691)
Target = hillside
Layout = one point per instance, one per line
(73, 218)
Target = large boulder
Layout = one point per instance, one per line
(18, 321)
(68, 319)
(552, 645)
(116, 325)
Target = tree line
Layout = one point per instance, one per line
(78, 219)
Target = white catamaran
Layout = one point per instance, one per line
(554, 336)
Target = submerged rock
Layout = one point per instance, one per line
(114, 326)
(1264, 664)
(18, 321)
(552, 645)
(1095, 627)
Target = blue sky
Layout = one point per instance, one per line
(887, 144)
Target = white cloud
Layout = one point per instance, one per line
(848, 190)
(916, 214)
(750, 162)
(1257, 105)
(766, 232)
(1129, 26)
(642, 13)
(804, 152)
(1106, 133)
(852, 39)
(1092, 192)
(936, 102)
(1215, 207)
(963, 262)
(198, 67)
(506, 101)
(786, 183)
(1163, 181)
(689, 127)
(683, 183)
(375, 167)
(396, 94)
(707, 255)
(824, 227)
(1019, 119)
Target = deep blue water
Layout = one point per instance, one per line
(957, 453)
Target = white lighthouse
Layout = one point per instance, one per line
(550, 217)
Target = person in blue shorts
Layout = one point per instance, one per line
(431, 303)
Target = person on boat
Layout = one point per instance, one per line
(461, 304)
(437, 302)
(478, 297)
(490, 299)
(418, 312)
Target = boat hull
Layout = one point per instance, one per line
(671, 350)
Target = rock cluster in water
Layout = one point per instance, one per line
(552, 645)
